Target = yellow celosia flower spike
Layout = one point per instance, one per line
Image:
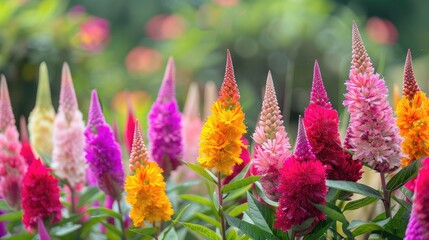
(413, 117)
(146, 188)
(220, 140)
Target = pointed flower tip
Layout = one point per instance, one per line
(167, 89)
(139, 155)
(68, 100)
(303, 150)
(361, 63)
(410, 86)
(192, 108)
(43, 90)
(229, 93)
(318, 92)
(6, 114)
(95, 115)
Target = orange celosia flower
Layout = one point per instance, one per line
(413, 117)
(220, 140)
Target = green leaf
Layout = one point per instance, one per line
(260, 214)
(239, 184)
(237, 210)
(208, 219)
(356, 204)
(89, 195)
(64, 230)
(236, 193)
(4, 206)
(206, 232)
(13, 216)
(144, 231)
(307, 223)
(249, 229)
(168, 235)
(109, 212)
(112, 229)
(319, 232)
(242, 174)
(20, 236)
(202, 172)
(196, 199)
(407, 193)
(87, 227)
(403, 176)
(362, 227)
(403, 203)
(354, 188)
(264, 197)
(231, 234)
(332, 213)
(177, 218)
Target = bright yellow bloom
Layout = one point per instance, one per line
(146, 195)
(413, 123)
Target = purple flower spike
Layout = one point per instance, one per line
(103, 154)
(165, 125)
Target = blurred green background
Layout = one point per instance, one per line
(120, 48)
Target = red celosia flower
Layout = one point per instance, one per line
(302, 183)
(26, 149)
(129, 128)
(40, 196)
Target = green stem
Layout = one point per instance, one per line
(220, 198)
(386, 195)
(124, 234)
(72, 193)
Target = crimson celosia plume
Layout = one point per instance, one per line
(410, 86)
(26, 149)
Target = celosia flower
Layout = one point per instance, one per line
(12, 164)
(26, 149)
(321, 125)
(272, 146)
(413, 117)
(94, 34)
(192, 124)
(220, 140)
(40, 196)
(374, 135)
(103, 153)
(41, 119)
(146, 188)
(129, 127)
(210, 96)
(245, 156)
(302, 184)
(165, 125)
(68, 161)
(418, 226)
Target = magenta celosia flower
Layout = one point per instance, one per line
(165, 124)
(12, 164)
(40, 196)
(26, 149)
(321, 125)
(374, 135)
(103, 153)
(129, 128)
(68, 160)
(272, 146)
(302, 183)
(418, 226)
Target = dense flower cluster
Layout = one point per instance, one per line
(374, 135)
(103, 153)
(220, 141)
(165, 124)
(321, 125)
(40, 196)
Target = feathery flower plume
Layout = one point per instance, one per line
(68, 159)
(413, 117)
(165, 124)
(220, 140)
(12, 164)
(103, 153)
(41, 119)
(210, 96)
(418, 226)
(374, 135)
(192, 124)
(129, 126)
(302, 183)
(272, 146)
(321, 125)
(26, 149)
(40, 196)
(146, 188)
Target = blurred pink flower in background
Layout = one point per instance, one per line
(143, 59)
(381, 31)
(163, 26)
(94, 34)
(227, 3)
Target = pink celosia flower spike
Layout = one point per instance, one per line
(410, 86)
(129, 127)
(272, 144)
(418, 226)
(318, 92)
(68, 161)
(192, 124)
(12, 164)
(374, 134)
(302, 183)
(6, 113)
